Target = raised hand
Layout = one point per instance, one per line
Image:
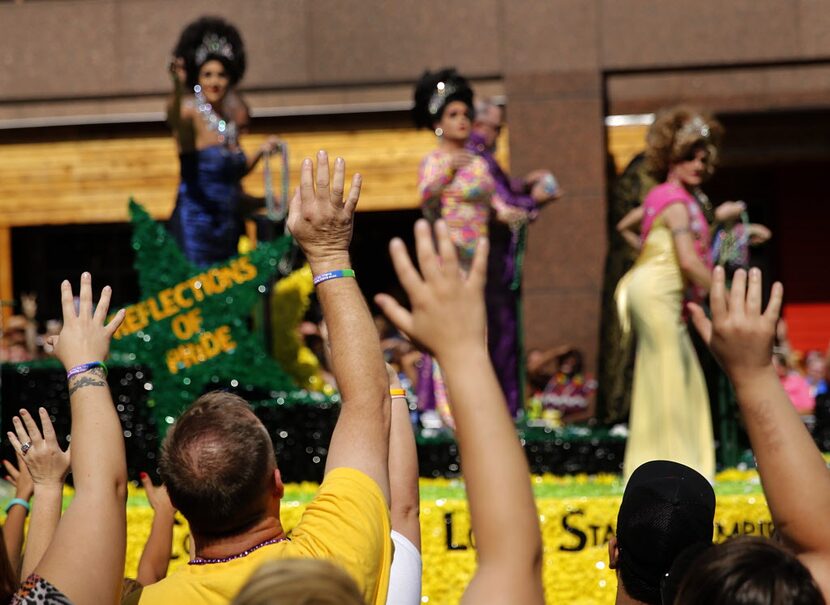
(318, 217)
(155, 558)
(28, 302)
(19, 476)
(448, 318)
(85, 336)
(447, 308)
(177, 71)
(740, 335)
(157, 497)
(43, 457)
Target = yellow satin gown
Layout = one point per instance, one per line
(670, 417)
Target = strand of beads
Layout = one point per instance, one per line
(226, 129)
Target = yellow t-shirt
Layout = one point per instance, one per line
(347, 522)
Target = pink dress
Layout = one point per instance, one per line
(657, 200)
(798, 390)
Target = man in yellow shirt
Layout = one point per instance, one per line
(218, 461)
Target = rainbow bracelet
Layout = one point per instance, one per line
(319, 279)
(86, 367)
(397, 393)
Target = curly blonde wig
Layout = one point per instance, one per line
(676, 133)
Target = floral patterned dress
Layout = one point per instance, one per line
(464, 198)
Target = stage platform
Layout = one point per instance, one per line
(300, 431)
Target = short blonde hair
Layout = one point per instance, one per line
(299, 582)
(675, 133)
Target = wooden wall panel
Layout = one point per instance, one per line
(6, 283)
(624, 142)
(90, 181)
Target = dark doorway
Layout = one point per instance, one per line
(778, 163)
(44, 256)
(370, 250)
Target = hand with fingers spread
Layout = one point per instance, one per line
(319, 217)
(48, 466)
(19, 476)
(44, 459)
(740, 334)
(60, 550)
(448, 318)
(16, 511)
(85, 336)
(447, 308)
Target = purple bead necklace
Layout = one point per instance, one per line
(244, 553)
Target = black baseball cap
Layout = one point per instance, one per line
(666, 508)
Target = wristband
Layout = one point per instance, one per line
(319, 279)
(86, 367)
(397, 393)
(19, 501)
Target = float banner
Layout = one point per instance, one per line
(192, 325)
(575, 533)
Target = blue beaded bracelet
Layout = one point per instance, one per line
(319, 279)
(19, 501)
(86, 367)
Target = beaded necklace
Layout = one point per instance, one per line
(225, 129)
(244, 553)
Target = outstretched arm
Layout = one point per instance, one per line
(793, 473)
(629, 227)
(16, 513)
(155, 558)
(695, 270)
(48, 466)
(180, 115)
(321, 221)
(448, 318)
(89, 571)
(403, 467)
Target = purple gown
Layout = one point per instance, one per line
(502, 294)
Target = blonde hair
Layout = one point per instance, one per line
(299, 582)
(675, 133)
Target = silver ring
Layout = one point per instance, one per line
(25, 447)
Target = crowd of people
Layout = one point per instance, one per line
(358, 540)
